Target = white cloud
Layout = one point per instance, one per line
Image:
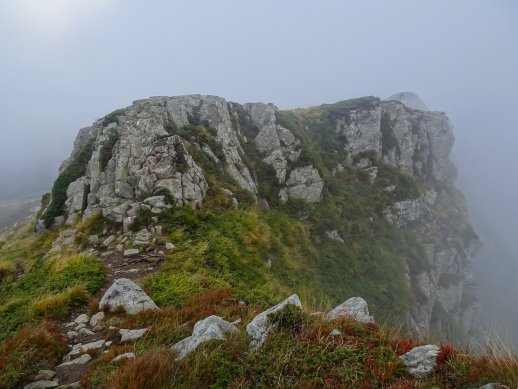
(49, 18)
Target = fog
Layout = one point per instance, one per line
(65, 63)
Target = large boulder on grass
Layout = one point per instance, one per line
(354, 308)
(261, 325)
(126, 294)
(210, 328)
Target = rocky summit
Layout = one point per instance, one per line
(194, 242)
(172, 152)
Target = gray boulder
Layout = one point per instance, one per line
(421, 360)
(210, 328)
(260, 326)
(355, 308)
(128, 295)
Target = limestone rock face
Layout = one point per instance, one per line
(128, 295)
(306, 184)
(278, 143)
(210, 328)
(355, 308)
(421, 360)
(260, 326)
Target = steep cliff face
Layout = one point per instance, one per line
(167, 152)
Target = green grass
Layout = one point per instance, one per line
(48, 287)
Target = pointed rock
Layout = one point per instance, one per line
(128, 295)
(260, 326)
(355, 308)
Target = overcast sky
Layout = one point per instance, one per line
(65, 63)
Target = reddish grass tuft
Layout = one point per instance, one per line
(31, 349)
(402, 346)
(153, 369)
(444, 354)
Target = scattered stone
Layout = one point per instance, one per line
(128, 295)
(260, 326)
(421, 360)
(93, 240)
(109, 343)
(131, 252)
(123, 356)
(42, 384)
(99, 327)
(82, 319)
(73, 385)
(355, 308)
(169, 246)
(236, 322)
(83, 348)
(85, 331)
(71, 324)
(108, 241)
(119, 247)
(97, 318)
(85, 358)
(210, 328)
(45, 375)
(493, 385)
(335, 332)
(158, 230)
(72, 335)
(241, 303)
(107, 254)
(80, 326)
(130, 335)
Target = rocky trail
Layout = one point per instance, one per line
(86, 333)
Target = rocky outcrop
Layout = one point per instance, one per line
(158, 154)
(260, 326)
(126, 294)
(211, 328)
(303, 183)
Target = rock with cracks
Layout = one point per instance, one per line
(355, 308)
(260, 326)
(126, 294)
(210, 328)
(421, 360)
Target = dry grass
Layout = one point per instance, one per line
(31, 349)
(151, 370)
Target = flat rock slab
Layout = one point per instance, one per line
(131, 252)
(85, 358)
(130, 335)
(43, 384)
(128, 295)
